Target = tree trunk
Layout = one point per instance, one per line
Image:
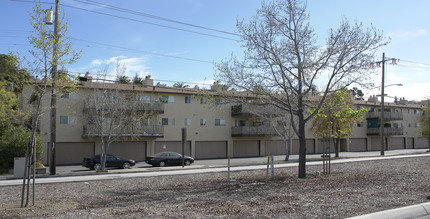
(302, 148)
(287, 149)
(336, 146)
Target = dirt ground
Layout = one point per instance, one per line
(351, 189)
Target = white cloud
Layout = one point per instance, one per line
(133, 65)
(409, 33)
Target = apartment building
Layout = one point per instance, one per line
(215, 129)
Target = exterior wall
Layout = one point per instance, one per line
(209, 141)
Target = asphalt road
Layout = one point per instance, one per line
(77, 173)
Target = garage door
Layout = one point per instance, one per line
(422, 143)
(310, 146)
(322, 144)
(211, 149)
(174, 146)
(397, 143)
(134, 150)
(357, 144)
(275, 148)
(410, 143)
(246, 148)
(376, 144)
(73, 153)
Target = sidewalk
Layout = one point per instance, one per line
(78, 170)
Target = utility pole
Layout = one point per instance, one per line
(381, 125)
(53, 113)
(382, 106)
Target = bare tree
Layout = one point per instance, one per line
(113, 112)
(283, 57)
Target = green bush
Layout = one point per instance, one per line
(13, 143)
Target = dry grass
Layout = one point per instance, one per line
(352, 189)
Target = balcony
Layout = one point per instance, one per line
(388, 116)
(154, 131)
(241, 110)
(155, 107)
(387, 131)
(253, 131)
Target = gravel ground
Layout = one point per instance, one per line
(351, 189)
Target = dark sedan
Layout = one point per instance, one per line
(111, 161)
(168, 158)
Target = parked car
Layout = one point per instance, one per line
(168, 158)
(94, 163)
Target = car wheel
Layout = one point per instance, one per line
(126, 165)
(187, 163)
(97, 166)
(161, 164)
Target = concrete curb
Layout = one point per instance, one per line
(413, 211)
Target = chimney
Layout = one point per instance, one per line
(148, 82)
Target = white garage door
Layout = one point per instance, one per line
(397, 143)
(357, 144)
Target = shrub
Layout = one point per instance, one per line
(13, 143)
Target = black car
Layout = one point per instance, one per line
(111, 161)
(168, 158)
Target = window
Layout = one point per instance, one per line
(146, 122)
(168, 121)
(187, 99)
(220, 122)
(409, 111)
(167, 99)
(239, 123)
(417, 112)
(221, 101)
(67, 120)
(360, 124)
(187, 121)
(147, 98)
(69, 95)
(202, 122)
(417, 124)
(402, 124)
(203, 100)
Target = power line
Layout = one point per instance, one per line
(139, 21)
(136, 50)
(103, 5)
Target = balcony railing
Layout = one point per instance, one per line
(156, 107)
(249, 131)
(136, 131)
(241, 110)
(387, 115)
(387, 131)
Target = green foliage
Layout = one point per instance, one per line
(181, 85)
(9, 110)
(357, 93)
(425, 121)
(137, 80)
(336, 116)
(123, 79)
(11, 74)
(13, 143)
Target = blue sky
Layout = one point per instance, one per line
(172, 54)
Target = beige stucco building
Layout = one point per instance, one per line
(214, 130)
